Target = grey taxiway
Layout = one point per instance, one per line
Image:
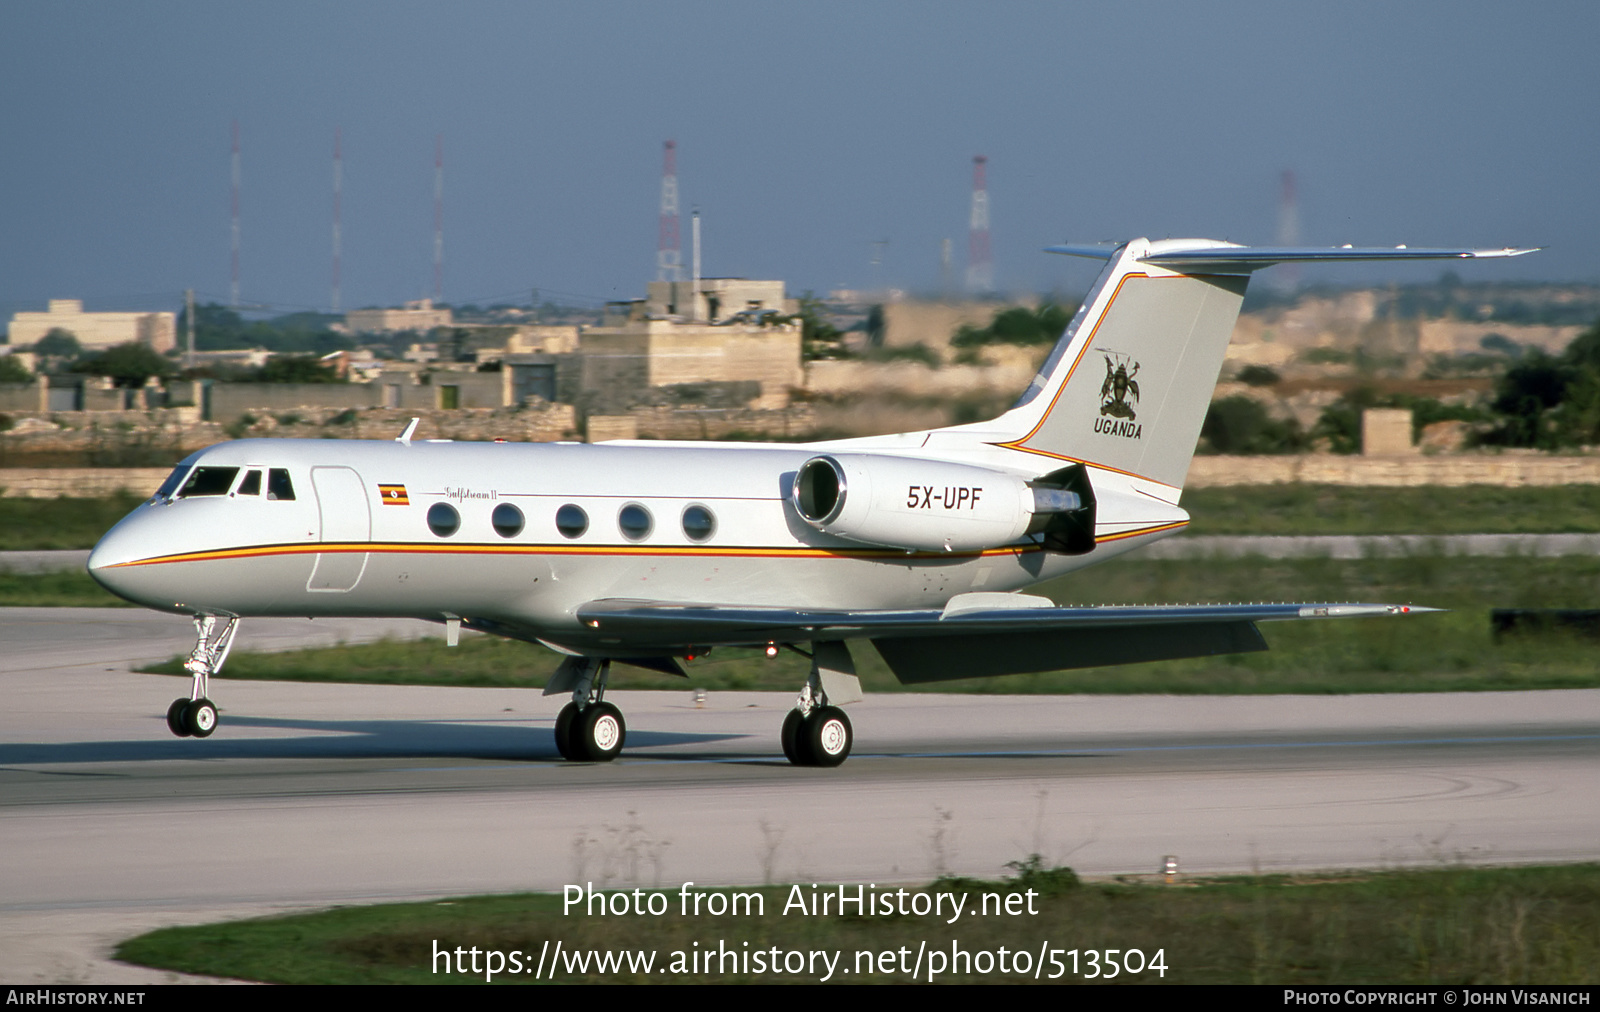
(313, 795)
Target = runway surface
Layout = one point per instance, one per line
(319, 794)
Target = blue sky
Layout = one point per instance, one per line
(805, 132)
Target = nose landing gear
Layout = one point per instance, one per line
(196, 716)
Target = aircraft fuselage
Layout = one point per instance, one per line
(679, 524)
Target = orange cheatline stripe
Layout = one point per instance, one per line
(1143, 530)
(405, 548)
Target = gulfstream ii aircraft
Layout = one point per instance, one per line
(650, 552)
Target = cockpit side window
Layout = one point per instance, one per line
(209, 481)
(278, 484)
(174, 480)
(251, 484)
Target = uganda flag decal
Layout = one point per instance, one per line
(393, 495)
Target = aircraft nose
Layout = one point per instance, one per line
(109, 561)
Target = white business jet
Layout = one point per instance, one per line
(650, 552)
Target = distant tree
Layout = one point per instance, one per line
(818, 336)
(218, 328)
(1527, 398)
(1258, 376)
(128, 365)
(13, 371)
(1043, 324)
(1500, 343)
(58, 344)
(876, 327)
(296, 369)
(1242, 425)
(1584, 351)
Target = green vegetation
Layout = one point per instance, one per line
(58, 344)
(295, 369)
(1259, 376)
(1340, 422)
(906, 353)
(1241, 424)
(128, 365)
(219, 328)
(1551, 401)
(1423, 653)
(72, 589)
(13, 371)
(1447, 925)
(1043, 324)
(819, 338)
(1427, 509)
(33, 524)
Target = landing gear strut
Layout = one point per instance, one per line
(588, 729)
(816, 732)
(197, 716)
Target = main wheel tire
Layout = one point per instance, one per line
(564, 721)
(828, 736)
(175, 717)
(793, 740)
(200, 718)
(599, 732)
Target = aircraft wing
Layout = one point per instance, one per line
(973, 638)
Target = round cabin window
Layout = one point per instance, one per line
(443, 519)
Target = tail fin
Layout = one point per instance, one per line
(1127, 386)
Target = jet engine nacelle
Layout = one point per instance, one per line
(920, 505)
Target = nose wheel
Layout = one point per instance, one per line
(196, 717)
(192, 718)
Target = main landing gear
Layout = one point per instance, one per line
(588, 729)
(816, 732)
(196, 717)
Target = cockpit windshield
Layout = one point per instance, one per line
(171, 484)
(209, 481)
(184, 483)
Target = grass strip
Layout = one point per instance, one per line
(70, 589)
(38, 524)
(1447, 925)
(1427, 509)
(1449, 652)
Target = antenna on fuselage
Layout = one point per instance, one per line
(411, 430)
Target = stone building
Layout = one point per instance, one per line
(419, 316)
(96, 330)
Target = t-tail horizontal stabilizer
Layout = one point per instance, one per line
(1127, 387)
(1206, 256)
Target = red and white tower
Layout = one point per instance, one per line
(980, 263)
(233, 289)
(438, 218)
(338, 185)
(669, 252)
